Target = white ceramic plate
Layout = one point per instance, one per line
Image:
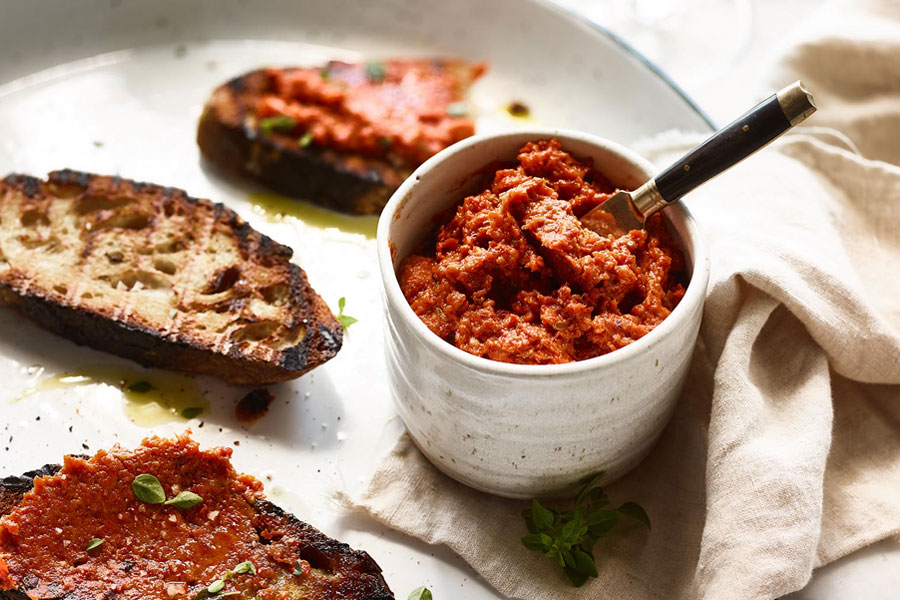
(114, 86)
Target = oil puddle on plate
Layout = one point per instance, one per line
(277, 208)
(151, 397)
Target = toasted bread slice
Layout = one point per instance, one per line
(358, 129)
(151, 274)
(158, 551)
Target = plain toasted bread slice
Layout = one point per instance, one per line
(232, 523)
(230, 135)
(150, 274)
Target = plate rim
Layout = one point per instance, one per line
(629, 49)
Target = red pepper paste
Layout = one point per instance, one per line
(404, 109)
(149, 551)
(514, 276)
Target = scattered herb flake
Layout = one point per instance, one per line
(345, 320)
(148, 489)
(192, 411)
(325, 73)
(375, 71)
(93, 544)
(184, 500)
(298, 569)
(420, 593)
(140, 387)
(277, 123)
(306, 139)
(98, 143)
(568, 538)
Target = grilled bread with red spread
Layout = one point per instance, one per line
(151, 274)
(344, 135)
(165, 521)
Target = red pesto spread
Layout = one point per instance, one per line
(148, 550)
(513, 275)
(406, 109)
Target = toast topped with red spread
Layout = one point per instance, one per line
(166, 521)
(344, 135)
(149, 273)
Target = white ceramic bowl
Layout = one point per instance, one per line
(529, 430)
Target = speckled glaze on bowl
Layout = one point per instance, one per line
(529, 430)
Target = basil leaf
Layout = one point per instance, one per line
(140, 387)
(148, 489)
(575, 577)
(245, 567)
(192, 411)
(630, 509)
(600, 522)
(184, 500)
(277, 123)
(420, 593)
(534, 542)
(584, 563)
(93, 544)
(543, 518)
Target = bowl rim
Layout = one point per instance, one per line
(694, 296)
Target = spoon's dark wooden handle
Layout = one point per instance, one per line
(735, 142)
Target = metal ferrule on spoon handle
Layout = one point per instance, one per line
(725, 148)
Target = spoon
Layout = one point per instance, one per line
(625, 211)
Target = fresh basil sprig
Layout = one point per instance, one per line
(569, 537)
(345, 320)
(148, 489)
(215, 590)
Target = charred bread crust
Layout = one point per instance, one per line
(229, 137)
(358, 575)
(163, 345)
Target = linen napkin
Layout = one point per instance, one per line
(784, 451)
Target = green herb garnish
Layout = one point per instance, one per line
(345, 320)
(93, 544)
(569, 537)
(375, 71)
(298, 569)
(192, 411)
(148, 489)
(140, 387)
(458, 109)
(306, 139)
(277, 123)
(245, 567)
(216, 586)
(325, 73)
(420, 593)
(184, 500)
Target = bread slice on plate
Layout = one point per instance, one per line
(150, 274)
(167, 520)
(344, 135)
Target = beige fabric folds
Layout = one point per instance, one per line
(784, 452)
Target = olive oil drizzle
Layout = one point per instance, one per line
(151, 397)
